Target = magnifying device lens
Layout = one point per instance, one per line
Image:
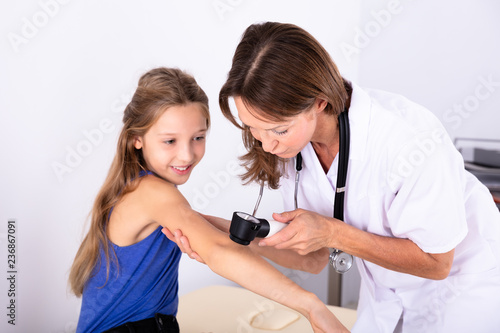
(244, 228)
(341, 261)
(248, 217)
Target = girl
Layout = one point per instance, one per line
(125, 269)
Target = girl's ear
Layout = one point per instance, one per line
(138, 142)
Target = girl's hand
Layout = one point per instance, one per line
(306, 232)
(321, 318)
(182, 242)
(324, 321)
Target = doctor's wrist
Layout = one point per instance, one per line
(337, 233)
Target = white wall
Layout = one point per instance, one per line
(67, 69)
(442, 54)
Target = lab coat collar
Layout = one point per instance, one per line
(360, 112)
(359, 121)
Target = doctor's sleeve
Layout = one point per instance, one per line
(428, 207)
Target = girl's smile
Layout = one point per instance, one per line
(182, 170)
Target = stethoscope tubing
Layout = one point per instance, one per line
(298, 167)
(344, 139)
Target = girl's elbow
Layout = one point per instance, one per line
(317, 261)
(318, 268)
(212, 258)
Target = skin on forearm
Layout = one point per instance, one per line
(238, 263)
(218, 222)
(313, 262)
(266, 281)
(397, 254)
(309, 232)
(233, 262)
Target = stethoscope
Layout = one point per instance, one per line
(245, 227)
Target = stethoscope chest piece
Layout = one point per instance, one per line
(341, 261)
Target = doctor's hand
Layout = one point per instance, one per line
(306, 232)
(182, 242)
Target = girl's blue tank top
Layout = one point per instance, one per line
(144, 283)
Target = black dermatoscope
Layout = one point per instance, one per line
(245, 227)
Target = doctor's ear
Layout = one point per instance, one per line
(138, 142)
(320, 104)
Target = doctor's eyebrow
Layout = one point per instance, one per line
(267, 129)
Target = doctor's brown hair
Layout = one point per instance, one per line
(158, 90)
(279, 70)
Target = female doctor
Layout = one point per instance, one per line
(425, 232)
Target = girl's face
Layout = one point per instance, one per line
(175, 143)
(284, 139)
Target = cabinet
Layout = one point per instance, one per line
(482, 159)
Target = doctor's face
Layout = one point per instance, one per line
(284, 139)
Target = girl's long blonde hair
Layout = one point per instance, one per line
(157, 90)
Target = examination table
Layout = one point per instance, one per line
(225, 309)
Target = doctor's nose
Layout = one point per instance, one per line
(269, 145)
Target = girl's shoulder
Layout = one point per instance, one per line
(140, 211)
(164, 203)
(159, 194)
(156, 187)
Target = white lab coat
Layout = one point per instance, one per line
(407, 180)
